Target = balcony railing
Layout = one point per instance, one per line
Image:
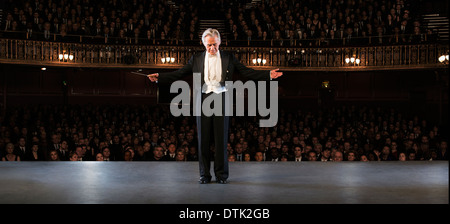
(164, 55)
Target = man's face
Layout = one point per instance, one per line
(212, 44)
(258, 156)
(311, 156)
(158, 152)
(172, 148)
(22, 142)
(238, 148)
(297, 151)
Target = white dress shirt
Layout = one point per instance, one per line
(213, 74)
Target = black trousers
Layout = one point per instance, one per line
(215, 127)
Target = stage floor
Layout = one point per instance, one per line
(250, 183)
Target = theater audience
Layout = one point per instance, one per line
(353, 21)
(358, 133)
(283, 23)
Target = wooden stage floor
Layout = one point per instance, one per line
(420, 182)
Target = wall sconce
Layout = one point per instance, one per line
(443, 59)
(353, 60)
(65, 57)
(259, 61)
(168, 60)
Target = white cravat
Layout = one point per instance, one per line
(213, 74)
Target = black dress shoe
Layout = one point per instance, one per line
(220, 181)
(204, 180)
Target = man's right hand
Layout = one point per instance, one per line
(153, 77)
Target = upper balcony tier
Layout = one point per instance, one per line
(292, 55)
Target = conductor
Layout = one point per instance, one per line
(216, 67)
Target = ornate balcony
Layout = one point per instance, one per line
(174, 55)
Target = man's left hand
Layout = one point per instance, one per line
(275, 74)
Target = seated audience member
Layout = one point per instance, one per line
(54, 156)
(10, 156)
(158, 154)
(35, 154)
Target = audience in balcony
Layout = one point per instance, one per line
(90, 19)
(283, 22)
(356, 22)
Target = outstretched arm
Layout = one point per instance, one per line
(256, 74)
(169, 77)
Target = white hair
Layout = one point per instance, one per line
(210, 32)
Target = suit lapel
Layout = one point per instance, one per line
(202, 63)
(225, 60)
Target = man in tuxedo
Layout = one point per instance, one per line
(215, 67)
(239, 154)
(63, 151)
(22, 148)
(47, 36)
(171, 153)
